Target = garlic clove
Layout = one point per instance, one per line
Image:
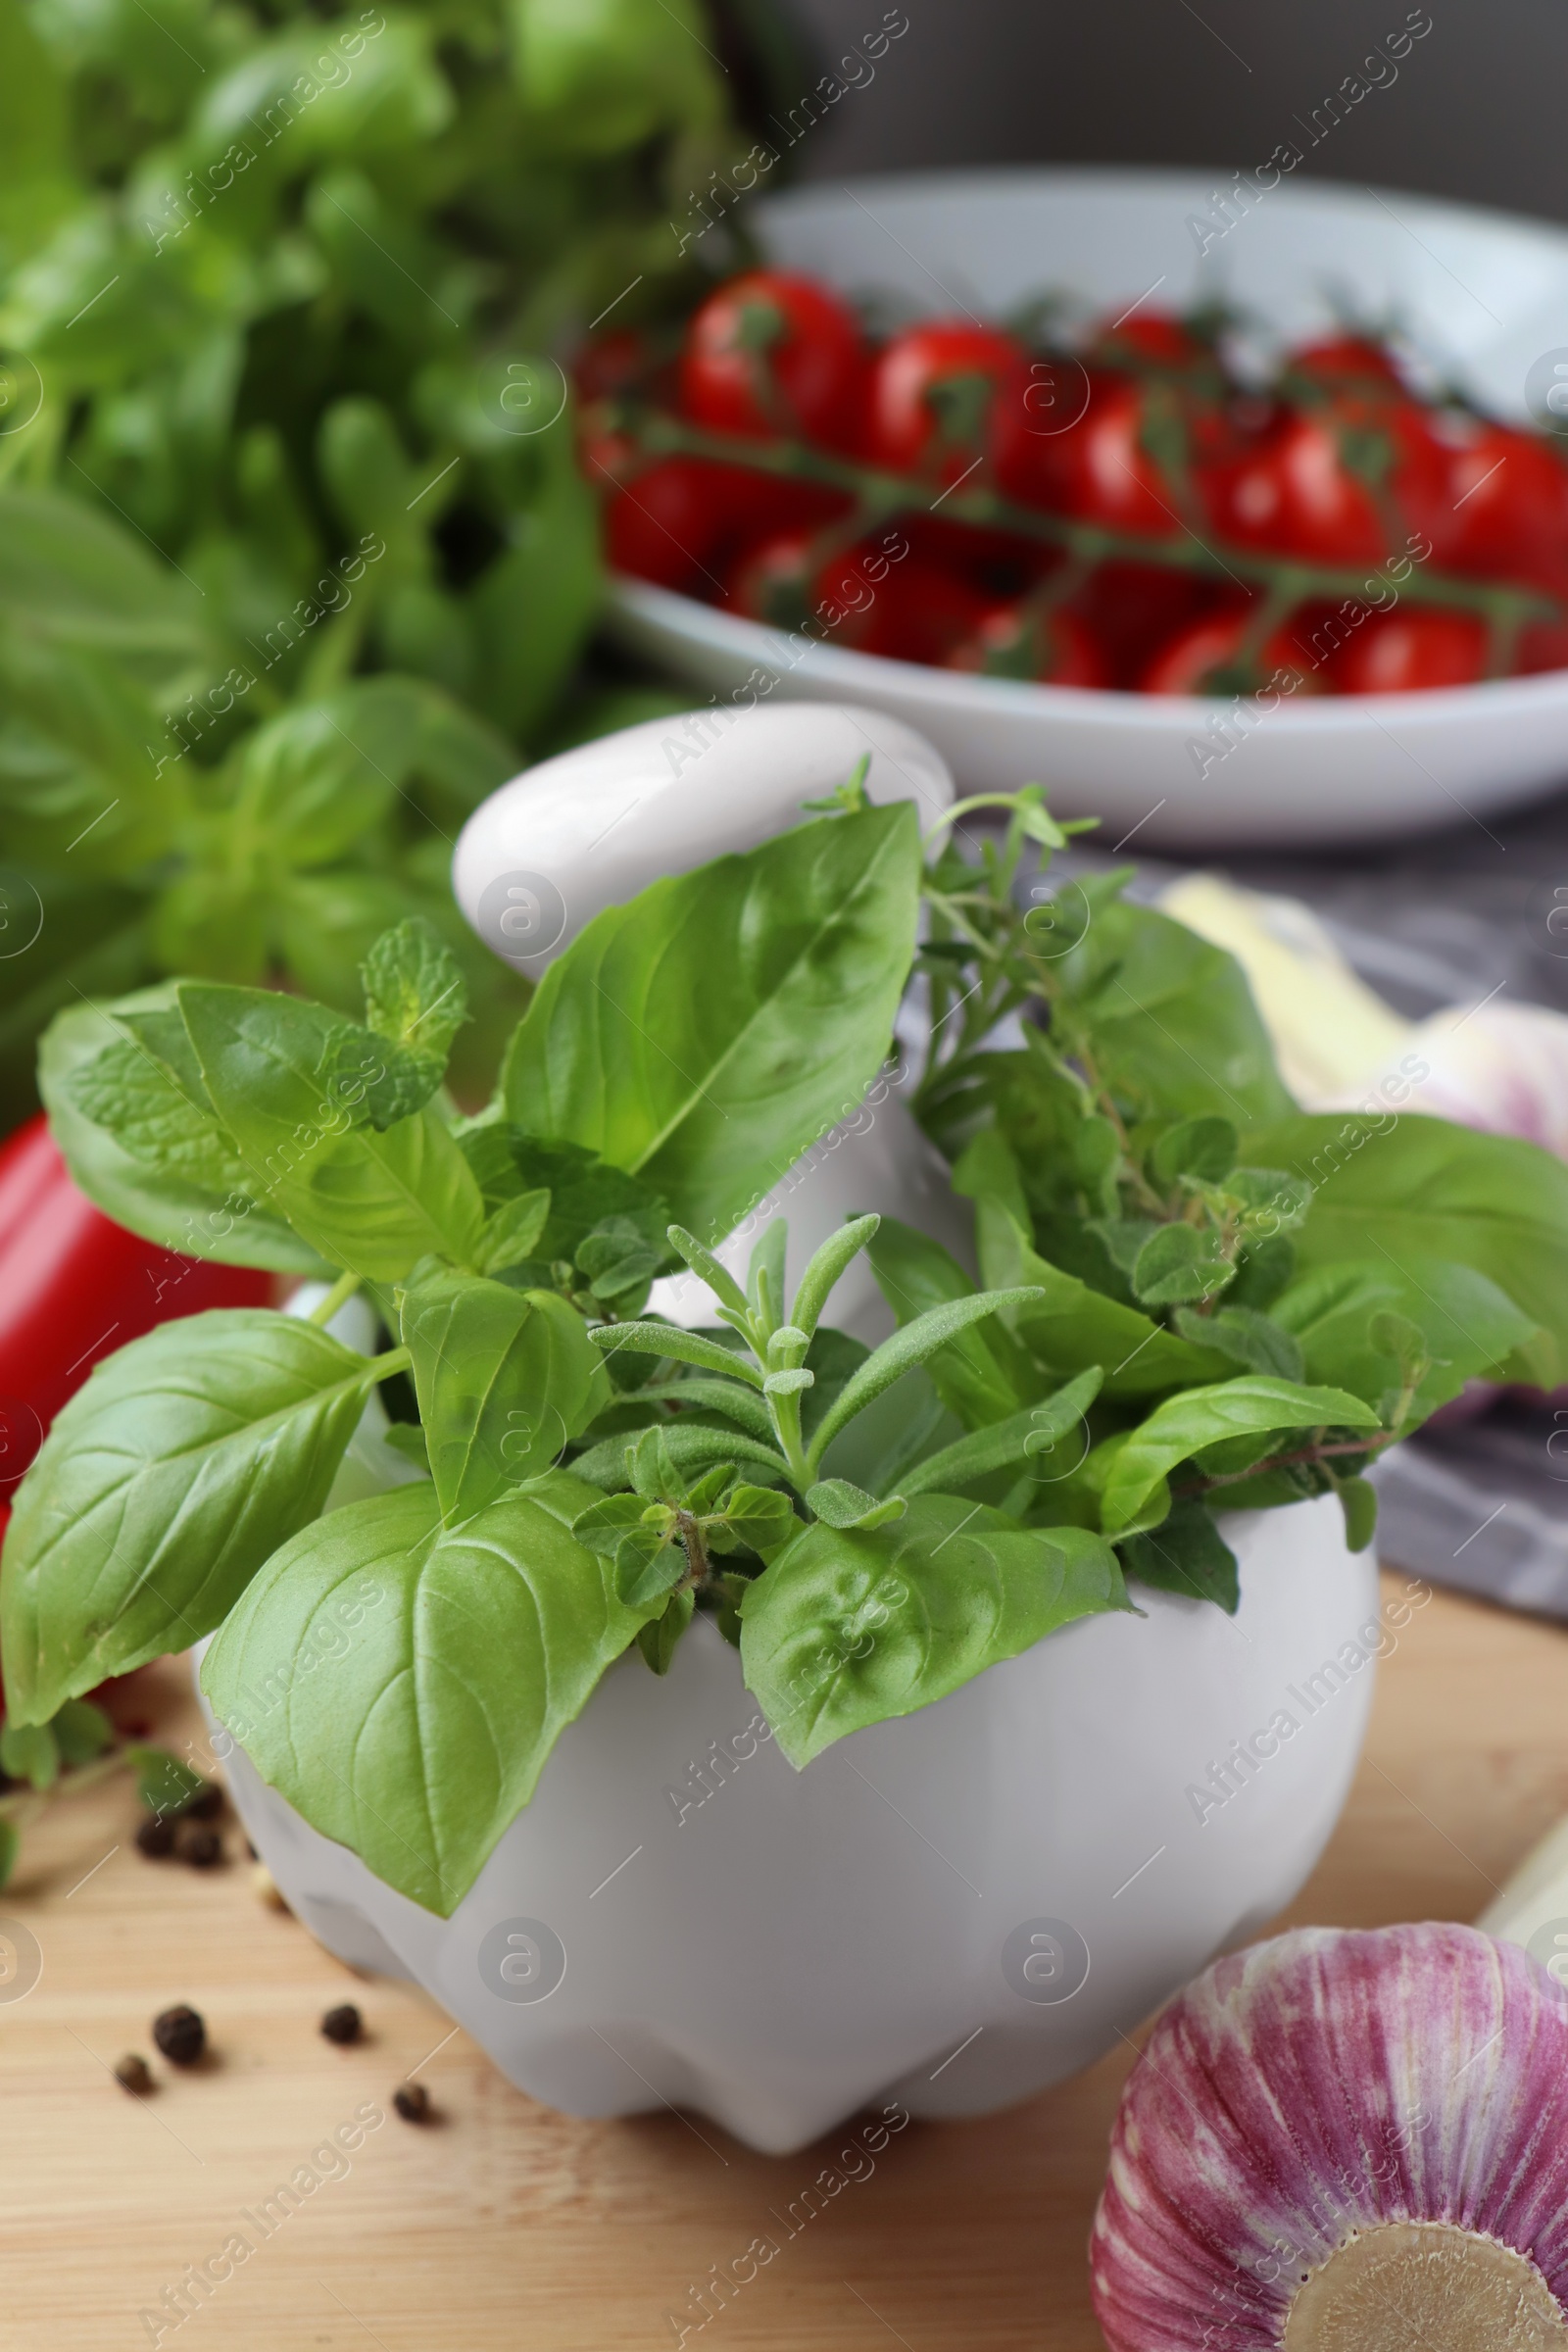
(542, 857)
(1495, 1065)
(1345, 2141)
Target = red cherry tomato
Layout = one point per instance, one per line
(74, 1287)
(1300, 493)
(1057, 648)
(1151, 336)
(861, 598)
(676, 523)
(1197, 657)
(611, 363)
(1400, 652)
(937, 396)
(1132, 610)
(1346, 361)
(771, 354)
(1098, 470)
(1503, 515)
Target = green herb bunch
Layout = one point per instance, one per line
(278, 290)
(1193, 1299)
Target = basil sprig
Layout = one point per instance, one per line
(1190, 1297)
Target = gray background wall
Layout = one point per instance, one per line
(1477, 111)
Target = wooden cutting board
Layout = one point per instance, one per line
(503, 2228)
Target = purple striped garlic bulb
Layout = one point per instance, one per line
(1345, 2141)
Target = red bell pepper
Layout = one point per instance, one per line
(73, 1286)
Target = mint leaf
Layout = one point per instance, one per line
(429, 1731)
(141, 1139)
(415, 992)
(162, 1487)
(372, 1202)
(850, 1627)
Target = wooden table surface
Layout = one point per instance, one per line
(503, 2228)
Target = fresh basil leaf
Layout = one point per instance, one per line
(1251, 1338)
(1459, 1320)
(512, 1233)
(407, 1438)
(710, 1092)
(81, 1731)
(1399, 1188)
(504, 1380)
(603, 1523)
(1187, 1554)
(1021, 1437)
(414, 993)
(915, 1344)
(306, 788)
(374, 1204)
(430, 1731)
(162, 1487)
(31, 1753)
(177, 1211)
(66, 568)
(1071, 1326)
(1184, 1426)
(981, 1375)
(851, 1626)
(1175, 1028)
(165, 1783)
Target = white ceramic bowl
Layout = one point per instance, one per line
(1482, 291)
(950, 1911)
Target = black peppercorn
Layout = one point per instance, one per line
(199, 1845)
(412, 2102)
(180, 2034)
(206, 1804)
(155, 1837)
(343, 2025)
(132, 2075)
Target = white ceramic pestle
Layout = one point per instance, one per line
(590, 828)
